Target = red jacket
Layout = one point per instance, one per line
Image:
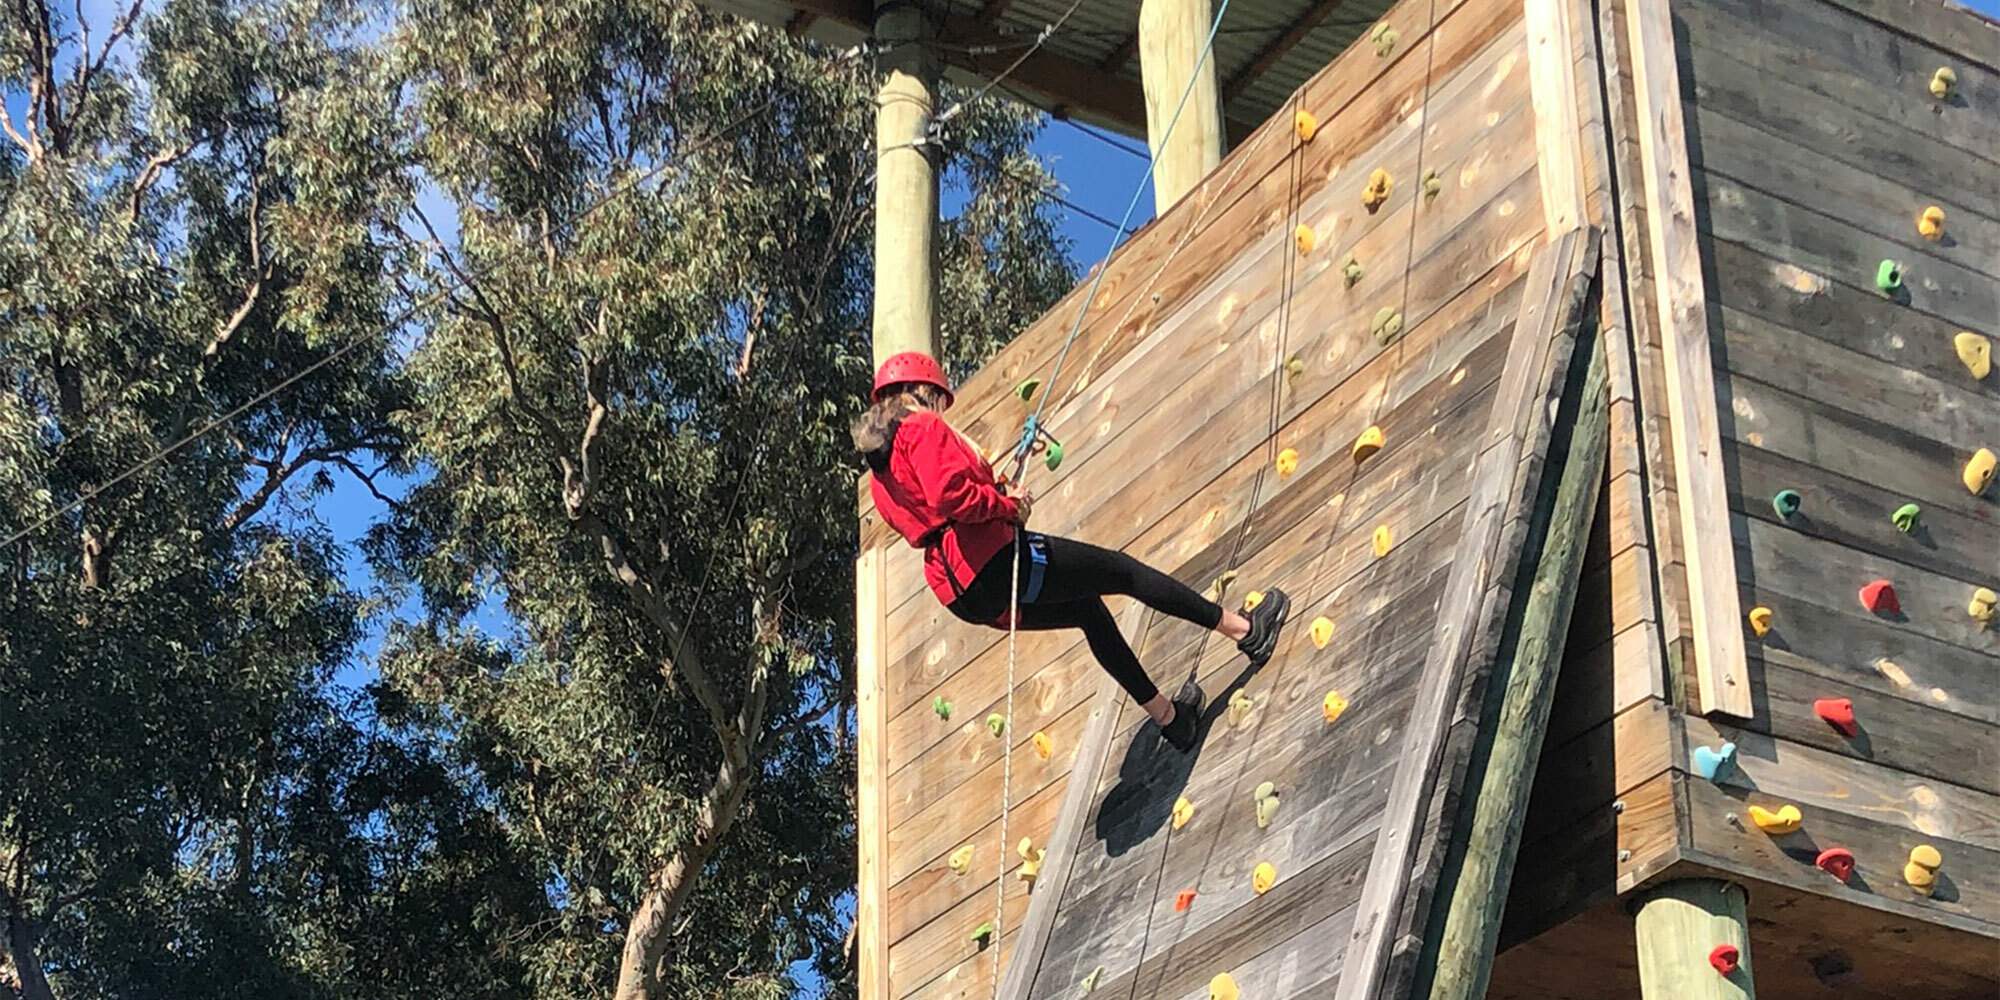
(940, 495)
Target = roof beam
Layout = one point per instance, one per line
(1116, 59)
(1269, 55)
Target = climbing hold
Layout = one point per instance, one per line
(1252, 599)
(1288, 461)
(1982, 605)
(1384, 36)
(961, 860)
(1921, 871)
(1432, 184)
(1263, 877)
(1383, 539)
(1305, 125)
(1183, 811)
(1044, 746)
(1786, 502)
(1240, 705)
(1368, 443)
(1943, 83)
(1760, 620)
(1223, 988)
(1220, 585)
(1708, 763)
(1888, 277)
(1026, 390)
(1031, 859)
(1377, 191)
(1054, 456)
(996, 723)
(1879, 597)
(1386, 325)
(1183, 899)
(1836, 861)
(1931, 223)
(982, 935)
(1265, 799)
(1332, 706)
(1975, 351)
(1724, 957)
(1979, 470)
(1906, 517)
(1351, 271)
(1090, 981)
(941, 707)
(1322, 631)
(1785, 820)
(1304, 237)
(1838, 713)
(1294, 367)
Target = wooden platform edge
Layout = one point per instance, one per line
(1721, 674)
(871, 917)
(1549, 304)
(1032, 941)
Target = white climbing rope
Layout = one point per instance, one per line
(1007, 758)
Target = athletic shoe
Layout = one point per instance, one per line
(1185, 731)
(1265, 621)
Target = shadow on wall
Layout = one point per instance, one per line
(1153, 775)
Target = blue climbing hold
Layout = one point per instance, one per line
(1709, 762)
(1786, 502)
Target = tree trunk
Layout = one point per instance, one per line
(32, 982)
(646, 935)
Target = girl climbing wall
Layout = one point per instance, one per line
(935, 489)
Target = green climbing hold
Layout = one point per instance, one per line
(1906, 517)
(1432, 184)
(1888, 277)
(982, 935)
(941, 707)
(1294, 367)
(1352, 270)
(1054, 456)
(1026, 390)
(1786, 502)
(996, 723)
(1386, 325)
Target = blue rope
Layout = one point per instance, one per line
(1033, 427)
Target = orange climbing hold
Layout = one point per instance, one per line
(1183, 899)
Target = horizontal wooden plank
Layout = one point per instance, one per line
(1590, 771)
(1559, 875)
(1597, 684)
(1902, 731)
(936, 889)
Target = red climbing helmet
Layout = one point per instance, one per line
(911, 366)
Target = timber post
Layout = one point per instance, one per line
(1681, 925)
(906, 184)
(1172, 34)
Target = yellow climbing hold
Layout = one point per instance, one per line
(1183, 811)
(1921, 872)
(1785, 820)
(1044, 746)
(1383, 540)
(1252, 599)
(1975, 351)
(1368, 443)
(1294, 367)
(1263, 877)
(1333, 706)
(1220, 585)
(1223, 988)
(1432, 184)
(1031, 859)
(961, 860)
(1322, 631)
(1305, 238)
(1384, 36)
(1983, 603)
(1979, 470)
(1943, 82)
(1026, 390)
(1305, 125)
(1760, 620)
(1240, 705)
(1931, 223)
(1265, 799)
(1288, 461)
(1090, 981)
(1377, 191)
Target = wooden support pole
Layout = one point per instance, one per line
(1679, 926)
(1479, 891)
(871, 661)
(1172, 34)
(906, 185)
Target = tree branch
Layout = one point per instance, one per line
(258, 265)
(155, 166)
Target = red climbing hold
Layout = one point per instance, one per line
(1838, 713)
(1724, 957)
(1837, 862)
(1184, 900)
(1879, 596)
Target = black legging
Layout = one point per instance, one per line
(1074, 583)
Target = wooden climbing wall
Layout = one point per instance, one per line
(1813, 143)
(1182, 403)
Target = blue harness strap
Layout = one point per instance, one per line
(1038, 566)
